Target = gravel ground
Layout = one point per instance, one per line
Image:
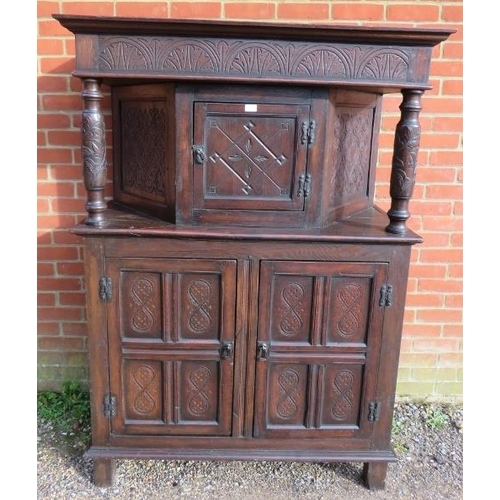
(427, 439)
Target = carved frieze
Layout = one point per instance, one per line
(281, 59)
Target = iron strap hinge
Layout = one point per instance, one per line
(385, 296)
(105, 289)
(109, 405)
(374, 411)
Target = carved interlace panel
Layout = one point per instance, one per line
(198, 391)
(200, 303)
(292, 305)
(143, 150)
(143, 389)
(247, 158)
(234, 57)
(342, 387)
(349, 309)
(352, 155)
(141, 307)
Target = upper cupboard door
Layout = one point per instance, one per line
(250, 156)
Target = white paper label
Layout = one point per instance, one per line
(251, 107)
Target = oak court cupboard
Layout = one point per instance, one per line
(245, 295)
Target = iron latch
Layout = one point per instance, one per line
(385, 296)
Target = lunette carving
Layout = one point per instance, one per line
(274, 58)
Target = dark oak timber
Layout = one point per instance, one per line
(245, 296)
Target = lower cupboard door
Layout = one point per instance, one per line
(171, 325)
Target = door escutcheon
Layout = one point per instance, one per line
(262, 351)
(227, 350)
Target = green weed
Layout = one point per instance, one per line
(67, 410)
(435, 418)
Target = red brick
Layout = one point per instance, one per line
(431, 208)
(451, 224)
(195, 10)
(65, 138)
(89, 8)
(419, 270)
(439, 315)
(54, 155)
(51, 27)
(439, 285)
(57, 253)
(48, 328)
(422, 330)
(64, 237)
(435, 345)
(442, 141)
(72, 299)
(303, 11)
(358, 11)
(69, 268)
(455, 271)
(448, 69)
(62, 102)
(46, 9)
(60, 343)
(446, 157)
(428, 174)
(433, 105)
(52, 121)
(72, 329)
(424, 300)
(453, 50)
(45, 269)
(412, 12)
(64, 189)
(46, 300)
(58, 313)
(447, 124)
(57, 65)
(452, 13)
(453, 331)
(249, 10)
(444, 192)
(456, 301)
(49, 46)
(142, 9)
(42, 206)
(453, 87)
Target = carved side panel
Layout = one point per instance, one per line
(143, 142)
(287, 395)
(341, 395)
(291, 314)
(353, 142)
(142, 380)
(198, 392)
(349, 310)
(141, 308)
(199, 303)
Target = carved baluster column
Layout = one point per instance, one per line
(93, 151)
(404, 161)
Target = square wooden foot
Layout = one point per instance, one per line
(104, 471)
(374, 474)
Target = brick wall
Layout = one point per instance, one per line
(431, 357)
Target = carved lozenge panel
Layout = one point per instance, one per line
(272, 59)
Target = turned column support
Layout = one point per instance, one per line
(93, 151)
(404, 161)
